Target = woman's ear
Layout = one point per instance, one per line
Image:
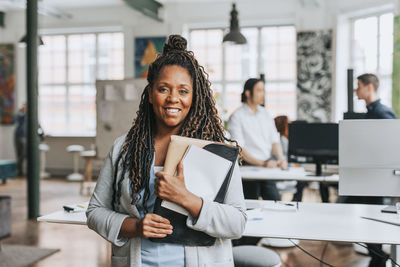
(150, 94)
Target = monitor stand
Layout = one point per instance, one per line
(318, 170)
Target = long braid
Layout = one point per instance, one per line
(202, 121)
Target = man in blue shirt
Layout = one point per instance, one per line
(368, 91)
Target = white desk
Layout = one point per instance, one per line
(312, 221)
(64, 217)
(324, 222)
(254, 173)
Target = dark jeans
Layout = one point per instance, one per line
(323, 191)
(266, 189)
(20, 152)
(376, 261)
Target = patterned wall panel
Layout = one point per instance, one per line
(314, 76)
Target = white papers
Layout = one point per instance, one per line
(254, 215)
(204, 174)
(279, 206)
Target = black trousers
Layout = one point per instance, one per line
(323, 191)
(373, 249)
(20, 152)
(266, 189)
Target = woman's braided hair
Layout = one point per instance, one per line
(201, 122)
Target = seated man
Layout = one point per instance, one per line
(254, 129)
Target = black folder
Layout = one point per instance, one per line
(181, 233)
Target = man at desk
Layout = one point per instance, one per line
(367, 90)
(254, 129)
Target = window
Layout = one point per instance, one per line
(68, 68)
(269, 50)
(372, 51)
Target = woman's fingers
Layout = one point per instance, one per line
(154, 225)
(180, 169)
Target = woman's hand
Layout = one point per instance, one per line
(171, 188)
(153, 225)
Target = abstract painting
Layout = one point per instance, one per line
(314, 76)
(146, 50)
(7, 83)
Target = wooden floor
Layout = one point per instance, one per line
(80, 246)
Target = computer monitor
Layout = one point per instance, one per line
(369, 158)
(313, 143)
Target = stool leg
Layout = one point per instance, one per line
(76, 162)
(42, 163)
(85, 176)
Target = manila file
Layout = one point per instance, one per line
(204, 174)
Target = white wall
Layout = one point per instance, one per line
(306, 15)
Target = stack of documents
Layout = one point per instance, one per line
(204, 174)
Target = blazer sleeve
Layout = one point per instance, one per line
(226, 220)
(100, 216)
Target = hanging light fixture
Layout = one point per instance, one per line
(234, 34)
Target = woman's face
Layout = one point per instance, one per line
(171, 96)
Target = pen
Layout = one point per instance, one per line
(68, 208)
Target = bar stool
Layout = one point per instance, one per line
(255, 256)
(75, 150)
(87, 183)
(43, 149)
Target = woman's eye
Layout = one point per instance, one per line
(183, 92)
(162, 89)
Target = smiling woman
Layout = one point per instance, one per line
(177, 101)
(171, 97)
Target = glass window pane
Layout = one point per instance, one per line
(71, 109)
(386, 24)
(110, 56)
(365, 56)
(233, 97)
(207, 48)
(82, 109)
(366, 44)
(53, 109)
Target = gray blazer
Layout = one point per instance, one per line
(223, 221)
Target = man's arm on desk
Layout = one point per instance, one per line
(256, 162)
(277, 152)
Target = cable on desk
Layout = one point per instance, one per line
(379, 254)
(323, 252)
(309, 254)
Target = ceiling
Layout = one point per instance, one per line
(81, 3)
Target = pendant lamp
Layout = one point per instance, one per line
(234, 34)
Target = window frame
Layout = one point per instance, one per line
(352, 58)
(260, 66)
(66, 33)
